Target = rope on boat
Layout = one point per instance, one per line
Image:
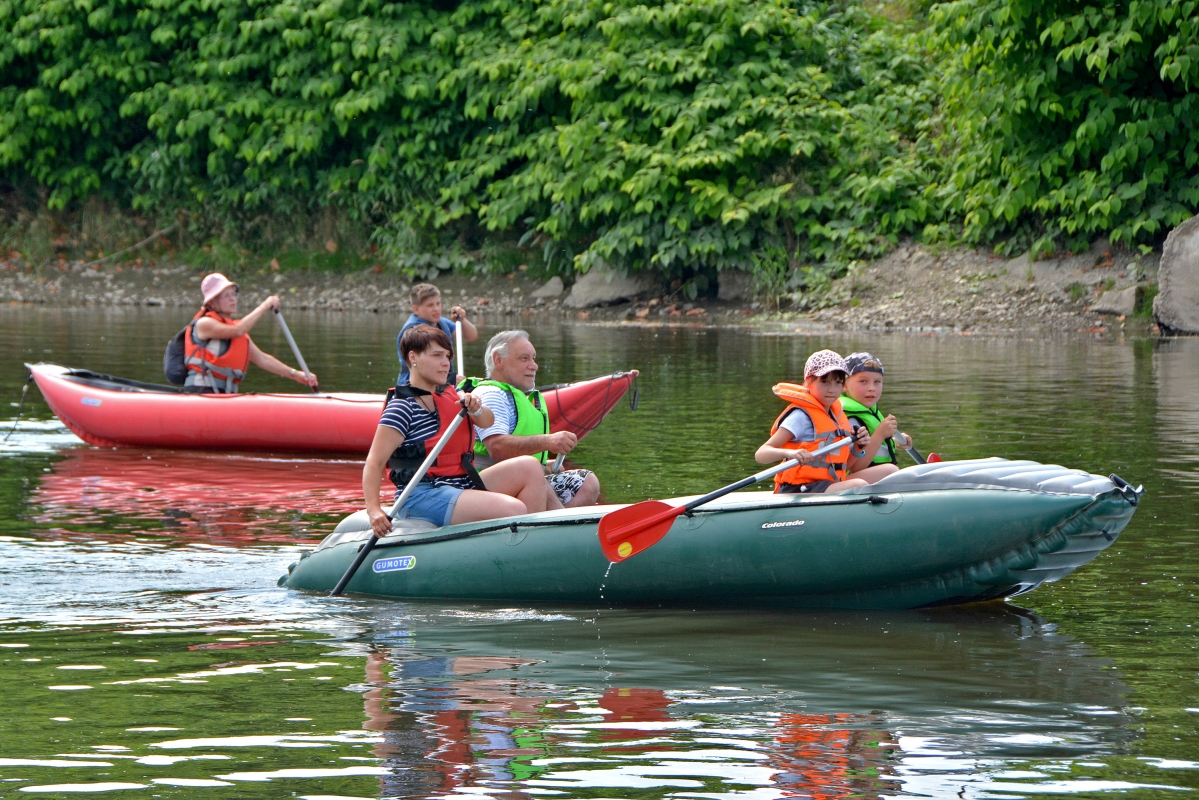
(20, 408)
(593, 421)
(516, 526)
(513, 526)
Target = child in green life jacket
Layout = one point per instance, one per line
(863, 389)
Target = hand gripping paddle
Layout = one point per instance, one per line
(933, 458)
(295, 350)
(627, 531)
(429, 461)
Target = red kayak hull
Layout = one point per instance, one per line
(113, 413)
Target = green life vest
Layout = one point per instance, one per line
(872, 418)
(532, 417)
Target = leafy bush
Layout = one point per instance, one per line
(679, 136)
(1070, 119)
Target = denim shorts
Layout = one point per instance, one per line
(431, 502)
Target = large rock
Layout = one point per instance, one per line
(602, 286)
(553, 288)
(1177, 303)
(734, 285)
(1123, 302)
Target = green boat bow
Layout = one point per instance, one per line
(934, 534)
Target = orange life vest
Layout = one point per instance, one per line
(222, 360)
(456, 458)
(830, 466)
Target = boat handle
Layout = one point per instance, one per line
(1132, 495)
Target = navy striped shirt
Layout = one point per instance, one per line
(413, 421)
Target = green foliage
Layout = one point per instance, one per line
(676, 136)
(692, 134)
(1070, 119)
(684, 137)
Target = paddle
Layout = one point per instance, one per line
(458, 348)
(911, 450)
(429, 461)
(627, 531)
(295, 349)
(558, 463)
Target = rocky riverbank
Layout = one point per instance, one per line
(912, 289)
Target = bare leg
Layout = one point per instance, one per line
(588, 494)
(473, 506)
(876, 473)
(841, 486)
(522, 477)
(552, 501)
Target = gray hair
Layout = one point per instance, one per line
(499, 345)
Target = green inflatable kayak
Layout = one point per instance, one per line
(933, 534)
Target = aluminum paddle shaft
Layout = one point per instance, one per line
(627, 531)
(429, 461)
(764, 474)
(458, 348)
(295, 349)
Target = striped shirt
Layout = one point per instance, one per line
(503, 408)
(413, 421)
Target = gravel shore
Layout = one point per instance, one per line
(914, 288)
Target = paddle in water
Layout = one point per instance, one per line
(429, 461)
(295, 349)
(627, 531)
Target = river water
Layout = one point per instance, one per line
(145, 649)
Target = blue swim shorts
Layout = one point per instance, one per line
(431, 502)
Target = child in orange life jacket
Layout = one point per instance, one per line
(813, 420)
(863, 390)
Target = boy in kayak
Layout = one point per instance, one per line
(813, 420)
(414, 421)
(426, 310)
(863, 390)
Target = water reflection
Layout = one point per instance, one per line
(725, 704)
(160, 565)
(220, 499)
(1177, 378)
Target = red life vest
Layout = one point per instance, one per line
(829, 428)
(226, 365)
(456, 459)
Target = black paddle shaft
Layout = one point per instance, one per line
(363, 552)
(416, 478)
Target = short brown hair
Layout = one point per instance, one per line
(420, 338)
(422, 292)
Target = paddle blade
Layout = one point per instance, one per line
(933, 458)
(627, 531)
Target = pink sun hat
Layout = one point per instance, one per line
(213, 285)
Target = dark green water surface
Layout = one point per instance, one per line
(146, 651)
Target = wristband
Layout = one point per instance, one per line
(475, 413)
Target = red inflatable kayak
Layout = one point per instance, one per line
(111, 412)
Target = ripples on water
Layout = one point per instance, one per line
(145, 649)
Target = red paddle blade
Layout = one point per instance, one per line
(933, 458)
(627, 531)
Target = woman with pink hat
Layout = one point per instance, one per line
(217, 348)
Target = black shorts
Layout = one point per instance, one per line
(815, 487)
